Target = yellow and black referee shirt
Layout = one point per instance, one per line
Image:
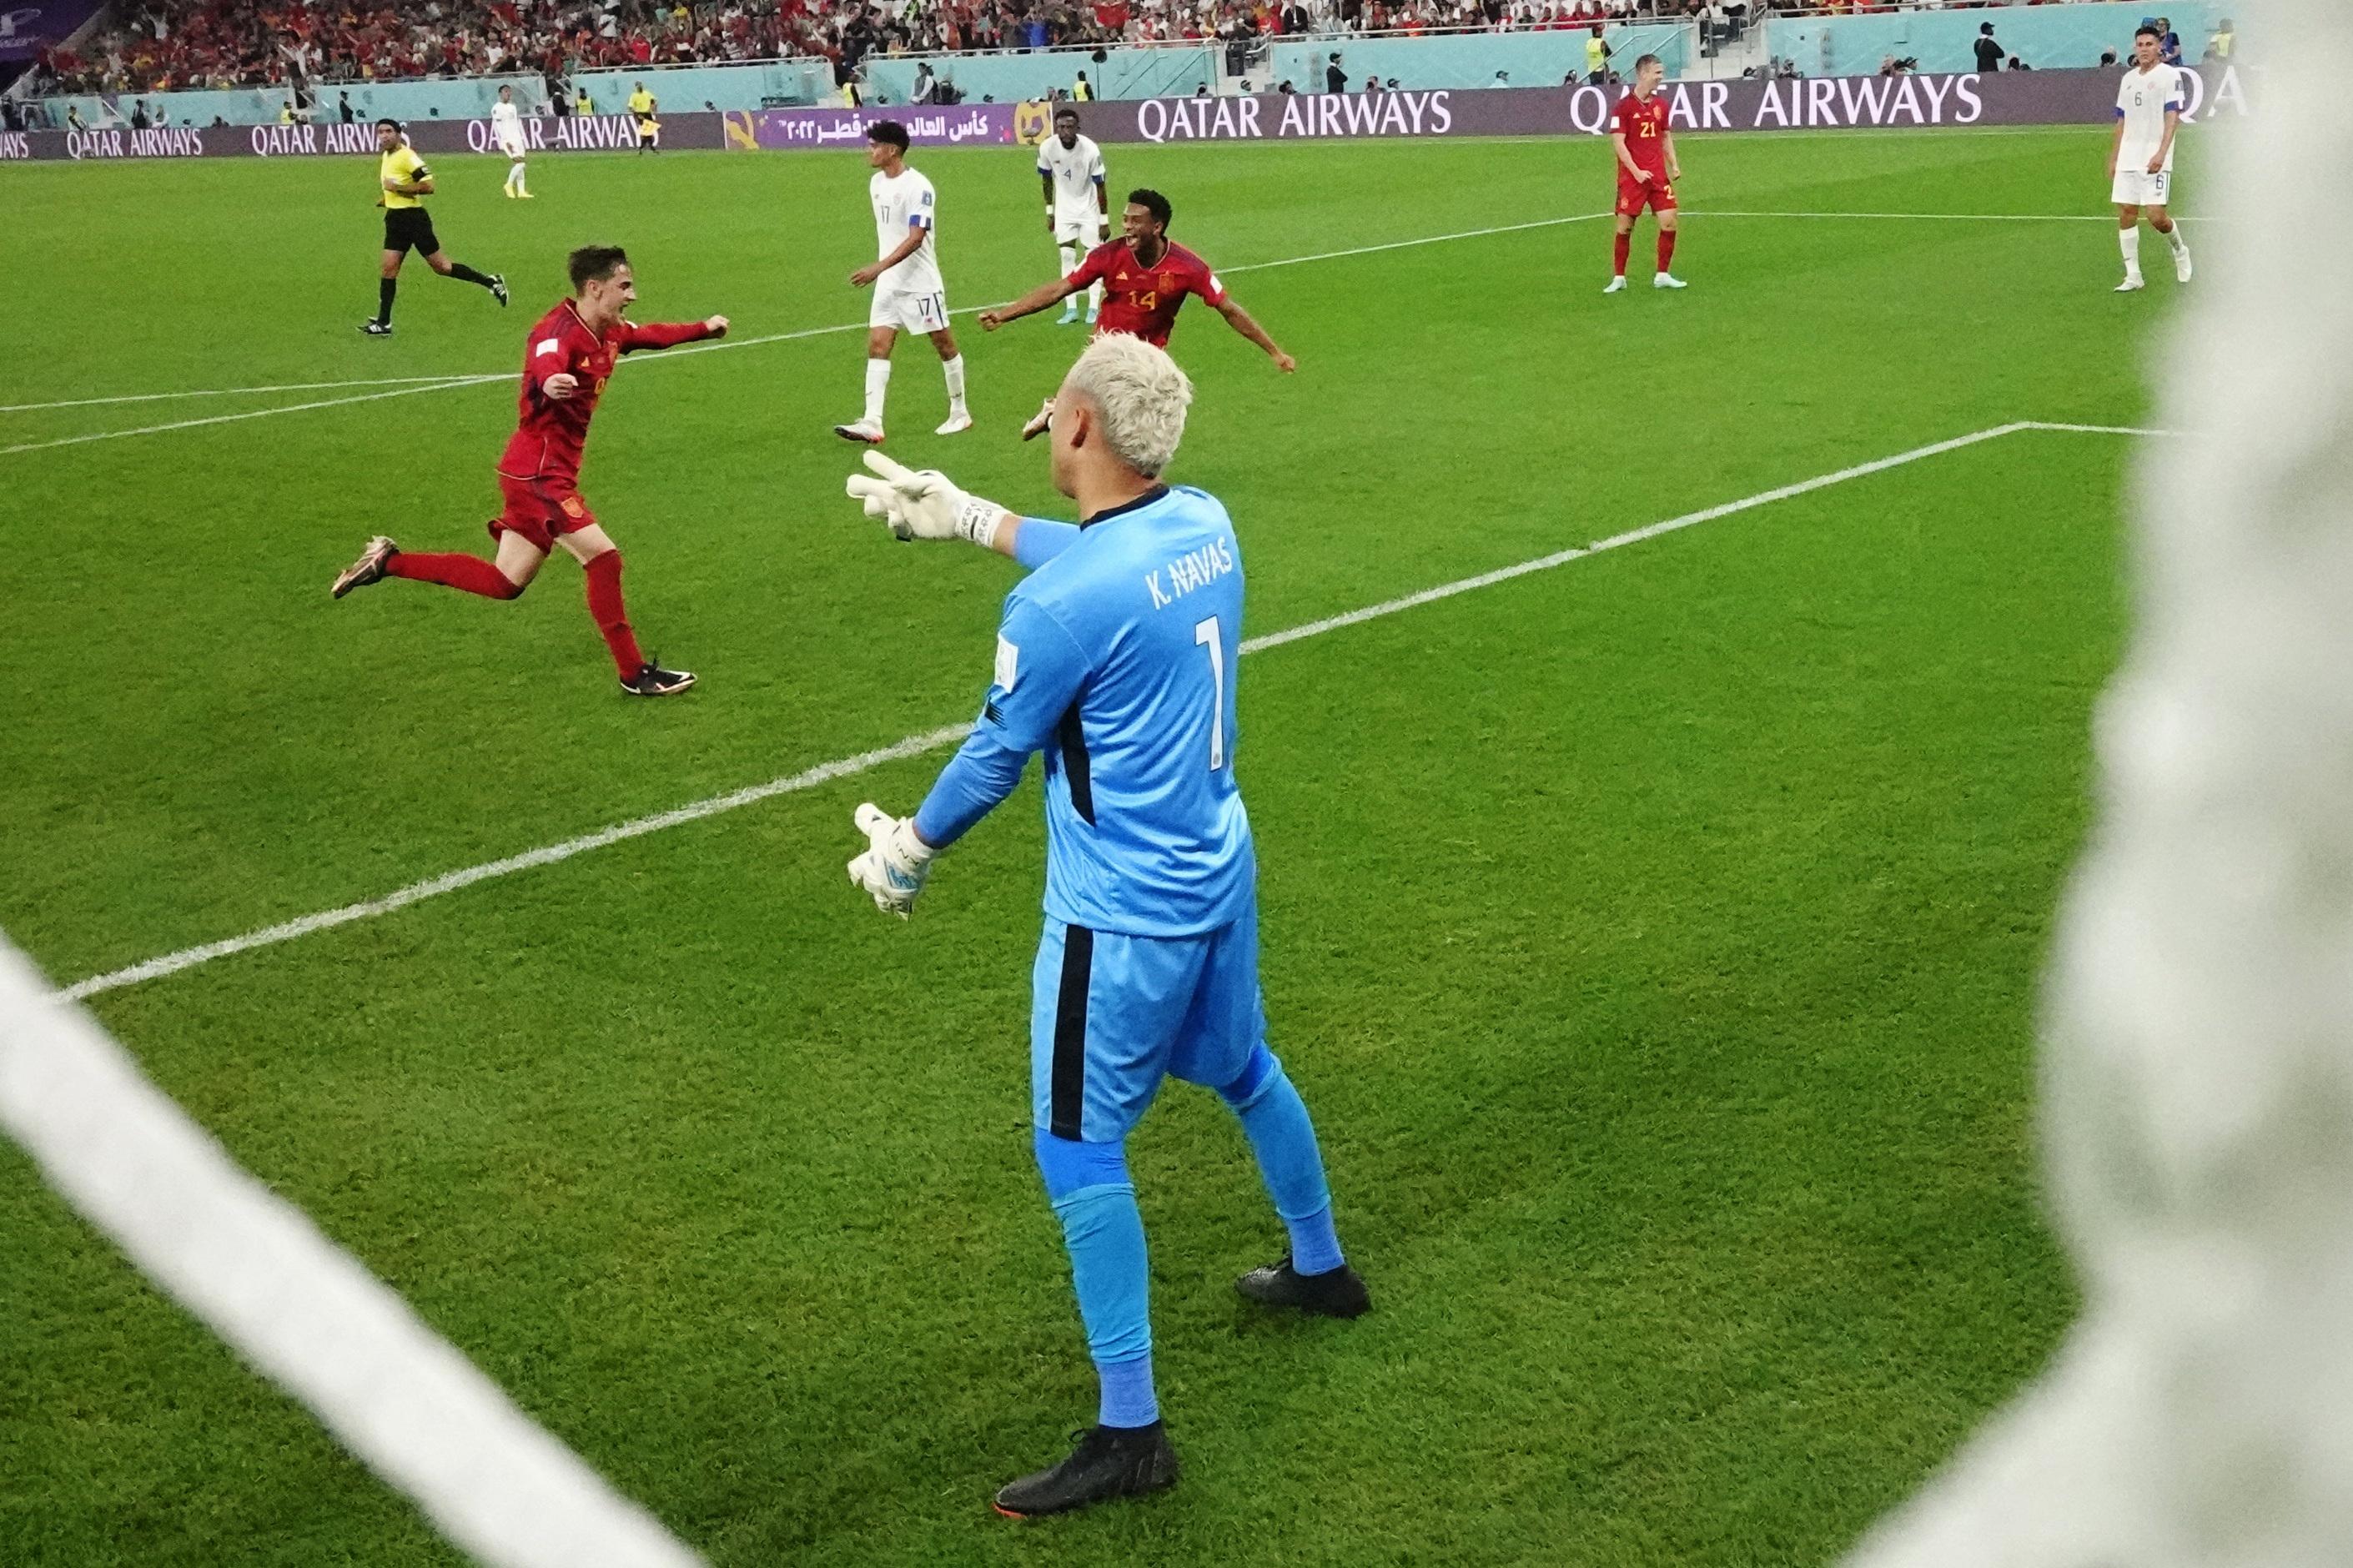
(402, 164)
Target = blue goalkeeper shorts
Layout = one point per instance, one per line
(1110, 1015)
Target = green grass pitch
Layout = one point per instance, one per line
(1655, 939)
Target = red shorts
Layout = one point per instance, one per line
(1659, 196)
(540, 511)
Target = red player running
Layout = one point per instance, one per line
(1647, 171)
(1146, 278)
(566, 361)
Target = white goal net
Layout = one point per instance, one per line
(2198, 1063)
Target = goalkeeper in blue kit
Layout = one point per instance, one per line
(1115, 659)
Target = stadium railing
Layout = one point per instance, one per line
(2043, 36)
(1434, 60)
(1134, 70)
(751, 85)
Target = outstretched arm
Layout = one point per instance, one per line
(670, 334)
(1239, 319)
(930, 505)
(1040, 668)
(1032, 302)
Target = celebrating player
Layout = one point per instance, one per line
(1077, 208)
(907, 291)
(1647, 171)
(2140, 161)
(1149, 276)
(1115, 658)
(566, 361)
(405, 182)
(506, 129)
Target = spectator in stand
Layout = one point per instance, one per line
(1296, 20)
(1989, 53)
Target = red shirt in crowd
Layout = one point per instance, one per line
(1142, 300)
(549, 438)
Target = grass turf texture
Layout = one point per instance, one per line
(1655, 939)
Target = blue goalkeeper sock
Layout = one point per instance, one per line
(1092, 1196)
(1276, 1119)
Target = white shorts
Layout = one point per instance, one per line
(907, 312)
(2136, 187)
(1086, 232)
(511, 146)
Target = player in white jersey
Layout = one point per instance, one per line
(506, 131)
(908, 292)
(2140, 162)
(1078, 209)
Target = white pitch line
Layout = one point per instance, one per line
(326, 920)
(441, 383)
(2098, 430)
(476, 378)
(249, 414)
(224, 391)
(916, 745)
(1950, 217)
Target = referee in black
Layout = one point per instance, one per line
(405, 182)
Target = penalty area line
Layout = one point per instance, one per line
(932, 739)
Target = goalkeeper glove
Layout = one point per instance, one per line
(925, 505)
(896, 863)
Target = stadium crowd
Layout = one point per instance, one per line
(160, 45)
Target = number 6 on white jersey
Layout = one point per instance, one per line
(1204, 635)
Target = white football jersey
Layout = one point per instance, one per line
(506, 124)
(2141, 101)
(1075, 170)
(901, 204)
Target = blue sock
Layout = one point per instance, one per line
(1276, 1119)
(1127, 1397)
(1103, 1231)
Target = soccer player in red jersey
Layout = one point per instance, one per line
(1146, 278)
(1647, 171)
(566, 361)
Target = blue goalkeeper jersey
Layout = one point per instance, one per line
(1115, 658)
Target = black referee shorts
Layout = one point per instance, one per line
(410, 228)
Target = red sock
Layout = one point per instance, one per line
(605, 607)
(468, 574)
(1666, 248)
(1625, 250)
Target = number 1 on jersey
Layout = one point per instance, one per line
(1204, 635)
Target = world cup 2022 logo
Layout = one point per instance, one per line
(1033, 121)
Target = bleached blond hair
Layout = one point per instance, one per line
(1140, 394)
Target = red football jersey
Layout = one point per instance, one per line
(1141, 300)
(1644, 126)
(548, 440)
